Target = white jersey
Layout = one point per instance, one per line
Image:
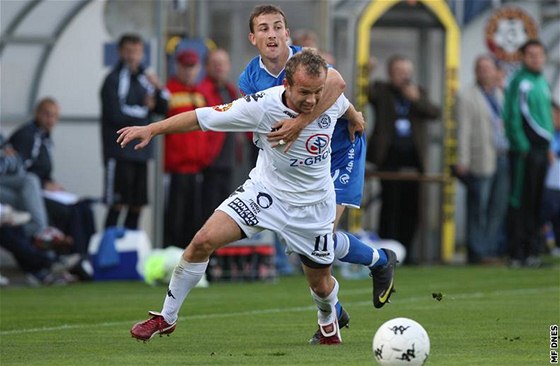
(302, 175)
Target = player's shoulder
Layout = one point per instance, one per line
(252, 67)
(296, 49)
(267, 96)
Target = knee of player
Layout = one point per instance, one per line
(202, 243)
(321, 289)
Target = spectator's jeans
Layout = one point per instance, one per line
(487, 198)
(23, 192)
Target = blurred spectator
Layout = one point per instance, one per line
(483, 162)
(401, 107)
(218, 90)
(528, 120)
(186, 155)
(551, 199)
(129, 96)
(39, 267)
(308, 38)
(33, 143)
(22, 190)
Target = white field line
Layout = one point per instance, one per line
(447, 297)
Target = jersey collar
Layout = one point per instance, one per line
(262, 66)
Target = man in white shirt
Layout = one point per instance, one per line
(290, 193)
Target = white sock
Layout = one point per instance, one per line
(185, 276)
(342, 245)
(327, 312)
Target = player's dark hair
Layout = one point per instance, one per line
(310, 60)
(129, 38)
(531, 43)
(265, 9)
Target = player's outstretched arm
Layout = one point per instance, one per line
(288, 130)
(183, 122)
(356, 122)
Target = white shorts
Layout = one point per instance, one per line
(305, 230)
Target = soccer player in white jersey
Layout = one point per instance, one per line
(289, 193)
(269, 34)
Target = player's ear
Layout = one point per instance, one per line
(251, 37)
(287, 33)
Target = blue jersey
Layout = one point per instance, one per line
(256, 77)
(347, 159)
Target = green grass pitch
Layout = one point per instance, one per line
(487, 316)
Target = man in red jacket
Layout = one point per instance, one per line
(217, 89)
(186, 155)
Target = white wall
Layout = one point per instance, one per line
(73, 75)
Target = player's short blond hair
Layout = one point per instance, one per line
(310, 60)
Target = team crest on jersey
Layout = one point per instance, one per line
(324, 121)
(222, 107)
(318, 144)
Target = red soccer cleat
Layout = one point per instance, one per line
(147, 329)
(330, 333)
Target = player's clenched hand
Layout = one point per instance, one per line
(356, 124)
(285, 132)
(129, 134)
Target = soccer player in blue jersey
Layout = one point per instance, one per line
(269, 34)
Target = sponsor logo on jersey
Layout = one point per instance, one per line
(344, 178)
(324, 121)
(254, 207)
(264, 200)
(289, 114)
(318, 144)
(312, 160)
(244, 212)
(254, 97)
(222, 107)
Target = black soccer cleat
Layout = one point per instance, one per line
(382, 278)
(343, 322)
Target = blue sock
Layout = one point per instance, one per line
(359, 252)
(338, 308)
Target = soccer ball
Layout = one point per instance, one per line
(401, 341)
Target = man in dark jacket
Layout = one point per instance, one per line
(129, 96)
(66, 211)
(395, 146)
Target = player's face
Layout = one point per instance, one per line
(534, 58)
(270, 35)
(132, 54)
(304, 94)
(47, 116)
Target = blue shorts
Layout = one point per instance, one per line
(348, 165)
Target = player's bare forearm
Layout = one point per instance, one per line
(183, 122)
(356, 122)
(288, 130)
